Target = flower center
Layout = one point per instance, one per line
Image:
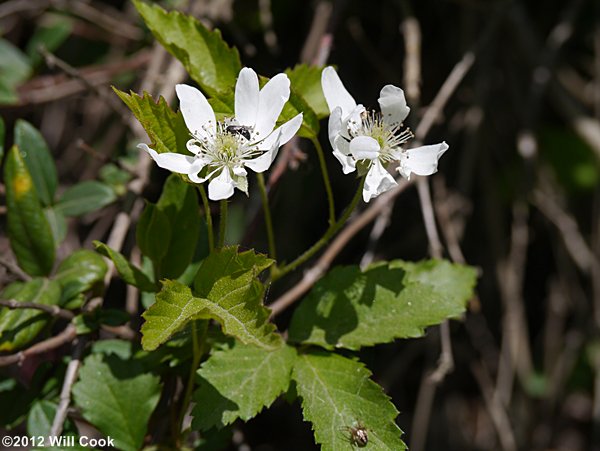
(389, 137)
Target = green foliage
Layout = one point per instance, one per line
(337, 394)
(2, 137)
(209, 61)
(85, 197)
(166, 129)
(14, 70)
(350, 309)
(55, 30)
(226, 290)
(58, 224)
(128, 272)
(79, 273)
(238, 382)
(306, 82)
(30, 234)
(168, 231)
(117, 396)
(19, 327)
(38, 159)
(39, 420)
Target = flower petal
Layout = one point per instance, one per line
(174, 162)
(393, 105)
(378, 181)
(262, 163)
(283, 133)
(364, 148)
(335, 125)
(221, 187)
(347, 161)
(272, 98)
(353, 122)
(421, 160)
(246, 97)
(335, 93)
(198, 114)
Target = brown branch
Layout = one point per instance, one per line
(14, 268)
(67, 335)
(53, 310)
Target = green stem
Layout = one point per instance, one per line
(268, 219)
(197, 351)
(331, 231)
(326, 180)
(222, 224)
(208, 216)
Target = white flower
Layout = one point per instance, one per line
(223, 150)
(373, 139)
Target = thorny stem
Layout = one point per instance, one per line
(222, 224)
(208, 216)
(197, 351)
(331, 231)
(326, 180)
(268, 219)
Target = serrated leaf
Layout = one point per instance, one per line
(38, 159)
(206, 57)
(350, 309)
(165, 128)
(118, 397)
(18, 327)
(306, 82)
(85, 197)
(30, 234)
(238, 382)
(338, 394)
(227, 290)
(128, 272)
(79, 272)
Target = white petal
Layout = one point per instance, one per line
(335, 125)
(421, 160)
(283, 133)
(198, 114)
(335, 93)
(262, 163)
(272, 98)
(364, 148)
(246, 97)
(393, 105)
(352, 123)
(348, 163)
(378, 181)
(221, 187)
(174, 162)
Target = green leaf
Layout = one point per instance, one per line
(38, 159)
(85, 197)
(338, 394)
(30, 234)
(306, 82)
(350, 309)
(228, 292)
(128, 272)
(240, 381)
(310, 122)
(80, 272)
(165, 128)
(14, 69)
(206, 57)
(118, 397)
(18, 327)
(153, 233)
(58, 224)
(176, 219)
(53, 31)
(40, 418)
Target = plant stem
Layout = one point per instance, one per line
(222, 224)
(331, 231)
(268, 219)
(208, 216)
(197, 351)
(326, 180)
